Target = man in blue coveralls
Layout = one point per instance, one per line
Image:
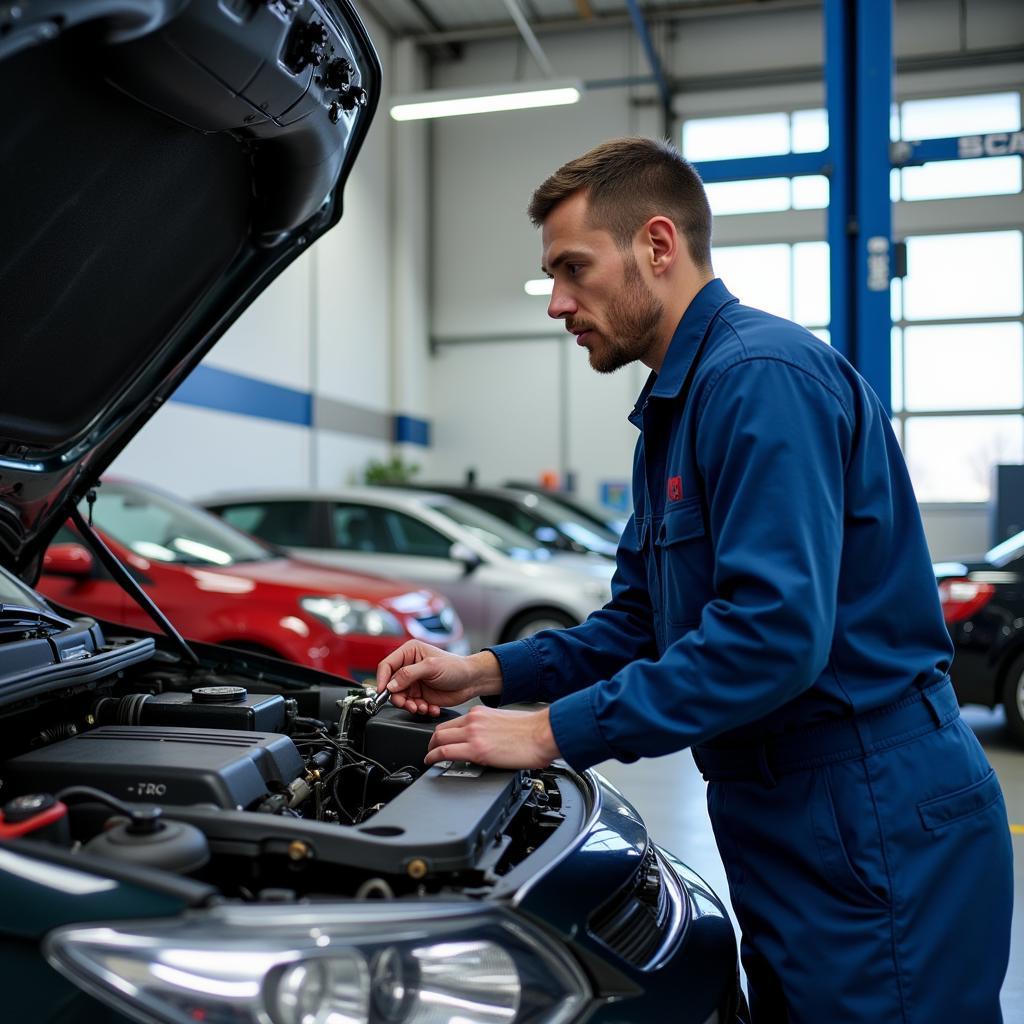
(774, 609)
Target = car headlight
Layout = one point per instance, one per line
(382, 964)
(345, 615)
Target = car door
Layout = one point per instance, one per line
(396, 544)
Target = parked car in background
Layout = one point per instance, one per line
(591, 511)
(219, 586)
(983, 605)
(503, 583)
(549, 523)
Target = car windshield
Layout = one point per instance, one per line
(491, 530)
(614, 522)
(584, 532)
(13, 591)
(159, 527)
(1006, 552)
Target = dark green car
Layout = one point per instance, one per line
(195, 834)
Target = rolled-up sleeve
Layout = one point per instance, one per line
(772, 441)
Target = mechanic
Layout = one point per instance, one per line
(775, 610)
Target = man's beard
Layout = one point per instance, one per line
(633, 318)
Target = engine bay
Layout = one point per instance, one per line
(236, 777)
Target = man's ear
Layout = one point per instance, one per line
(661, 241)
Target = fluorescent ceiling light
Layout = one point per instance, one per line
(486, 99)
(539, 286)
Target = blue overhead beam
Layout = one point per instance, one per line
(963, 147)
(640, 25)
(786, 165)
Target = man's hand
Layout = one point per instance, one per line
(502, 739)
(423, 679)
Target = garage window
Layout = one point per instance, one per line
(958, 361)
(790, 280)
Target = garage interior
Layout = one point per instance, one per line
(415, 336)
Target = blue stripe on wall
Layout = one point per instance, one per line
(410, 430)
(225, 391)
(212, 388)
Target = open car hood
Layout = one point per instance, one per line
(162, 162)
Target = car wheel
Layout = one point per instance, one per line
(1013, 699)
(534, 621)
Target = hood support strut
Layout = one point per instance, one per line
(121, 574)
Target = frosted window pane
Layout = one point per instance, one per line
(758, 275)
(961, 115)
(896, 298)
(896, 367)
(810, 192)
(948, 179)
(810, 283)
(965, 366)
(894, 122)
(951, 457)
(823, 333)
(894, 185)
(976, 274)
(810, 131)
(758, 196)
(720, 138)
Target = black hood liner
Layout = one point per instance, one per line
(162, 161)
(162, 210)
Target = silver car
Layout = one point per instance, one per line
(503, 584)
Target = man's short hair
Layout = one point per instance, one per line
(627, 182)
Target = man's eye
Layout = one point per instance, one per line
(574, 269)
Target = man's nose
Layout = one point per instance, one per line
(562, 304)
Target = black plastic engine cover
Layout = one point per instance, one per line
(228, 768)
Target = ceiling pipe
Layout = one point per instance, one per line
(529, 38)
(640, 26)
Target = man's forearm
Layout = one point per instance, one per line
(487, 672)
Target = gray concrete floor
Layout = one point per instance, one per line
(669, 793)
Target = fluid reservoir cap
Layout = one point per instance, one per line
(219, 694)
(21, 808)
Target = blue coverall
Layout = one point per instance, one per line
(774, 608)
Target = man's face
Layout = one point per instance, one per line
(598, 289)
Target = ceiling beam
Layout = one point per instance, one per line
(667, 12)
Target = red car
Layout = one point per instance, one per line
(220, 586)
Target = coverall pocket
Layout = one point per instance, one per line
(953, 808)
(849, 845)
(686, 562)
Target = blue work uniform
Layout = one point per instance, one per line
(774, 608)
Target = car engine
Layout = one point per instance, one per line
(233, 774)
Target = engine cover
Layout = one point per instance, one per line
(228, 768)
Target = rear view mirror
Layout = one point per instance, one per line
(463, 553)
(68, 560)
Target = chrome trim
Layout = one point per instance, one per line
(675, 929)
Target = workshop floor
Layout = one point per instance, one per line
(669, 793)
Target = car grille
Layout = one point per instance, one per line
(635, 921)
(435, 623)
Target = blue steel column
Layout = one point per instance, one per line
(874, 211)
(840, 97)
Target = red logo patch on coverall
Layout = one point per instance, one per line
(675, 488)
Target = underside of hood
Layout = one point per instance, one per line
(162, 162)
